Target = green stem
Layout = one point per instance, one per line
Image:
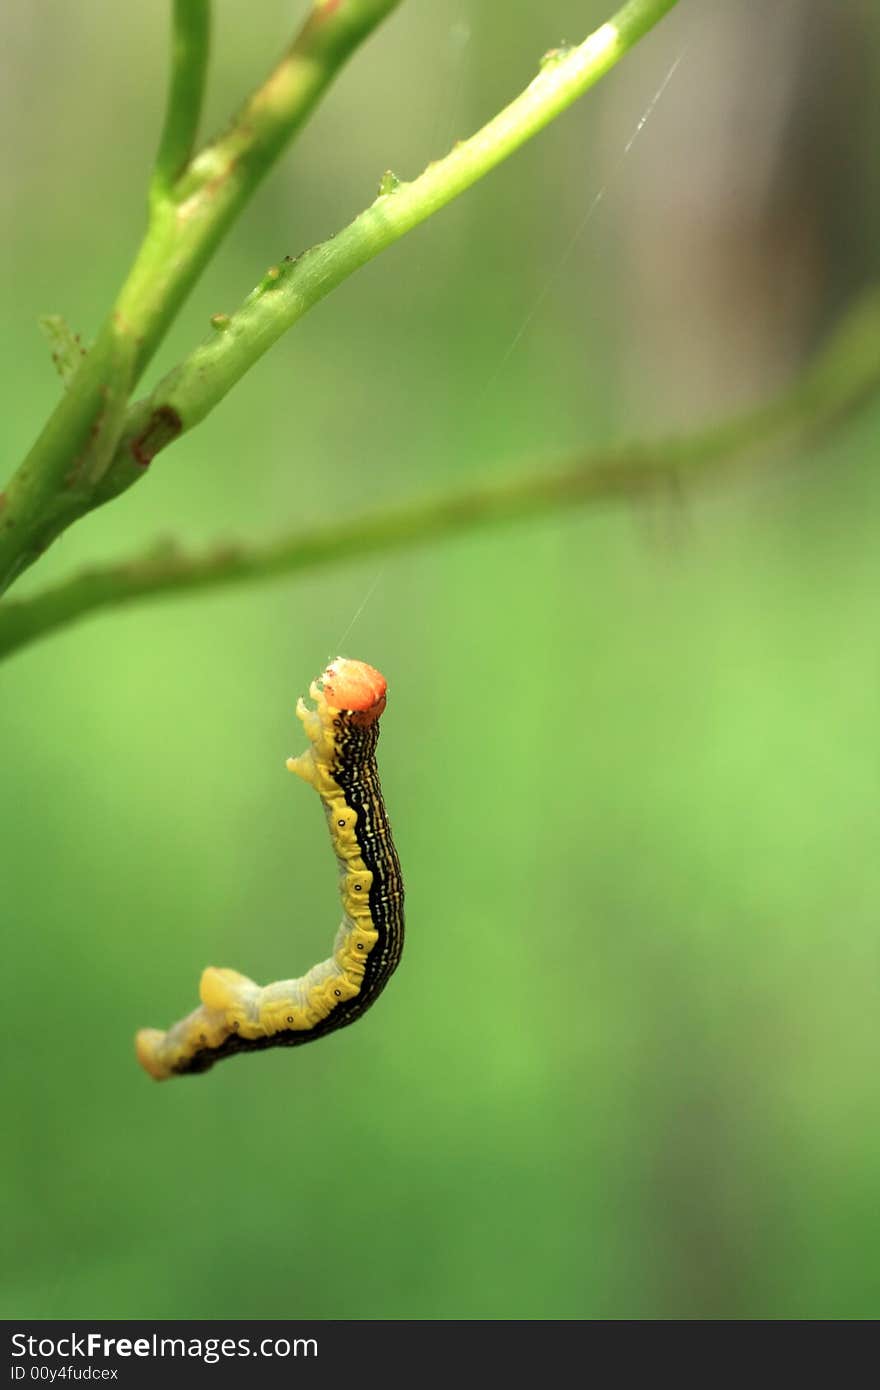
(57, 480)
(186, 228)
(190, 44)
(188, 218)
(844, 376)
(193, 388)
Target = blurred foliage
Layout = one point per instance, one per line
(628, 1065)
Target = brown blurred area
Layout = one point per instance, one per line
(754, 220)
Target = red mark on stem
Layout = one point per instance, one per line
(163, 426)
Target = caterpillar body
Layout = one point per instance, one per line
(237, 1015)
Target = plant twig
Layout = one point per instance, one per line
(846, 374)
(190, 42)
(192, 389)
(188, 219)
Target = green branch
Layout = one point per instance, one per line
(187, 227)
(193, 388)
(188, 218)
(844, 376)
(190, 43)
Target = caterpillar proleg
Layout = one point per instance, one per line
(237, 1015)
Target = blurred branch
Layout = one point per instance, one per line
(844, 376)
(187, 220)
(190, 43)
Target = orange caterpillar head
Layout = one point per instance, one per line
(355, 687)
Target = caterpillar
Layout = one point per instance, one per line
(236, 1014)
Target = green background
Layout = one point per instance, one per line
(628, 1067)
